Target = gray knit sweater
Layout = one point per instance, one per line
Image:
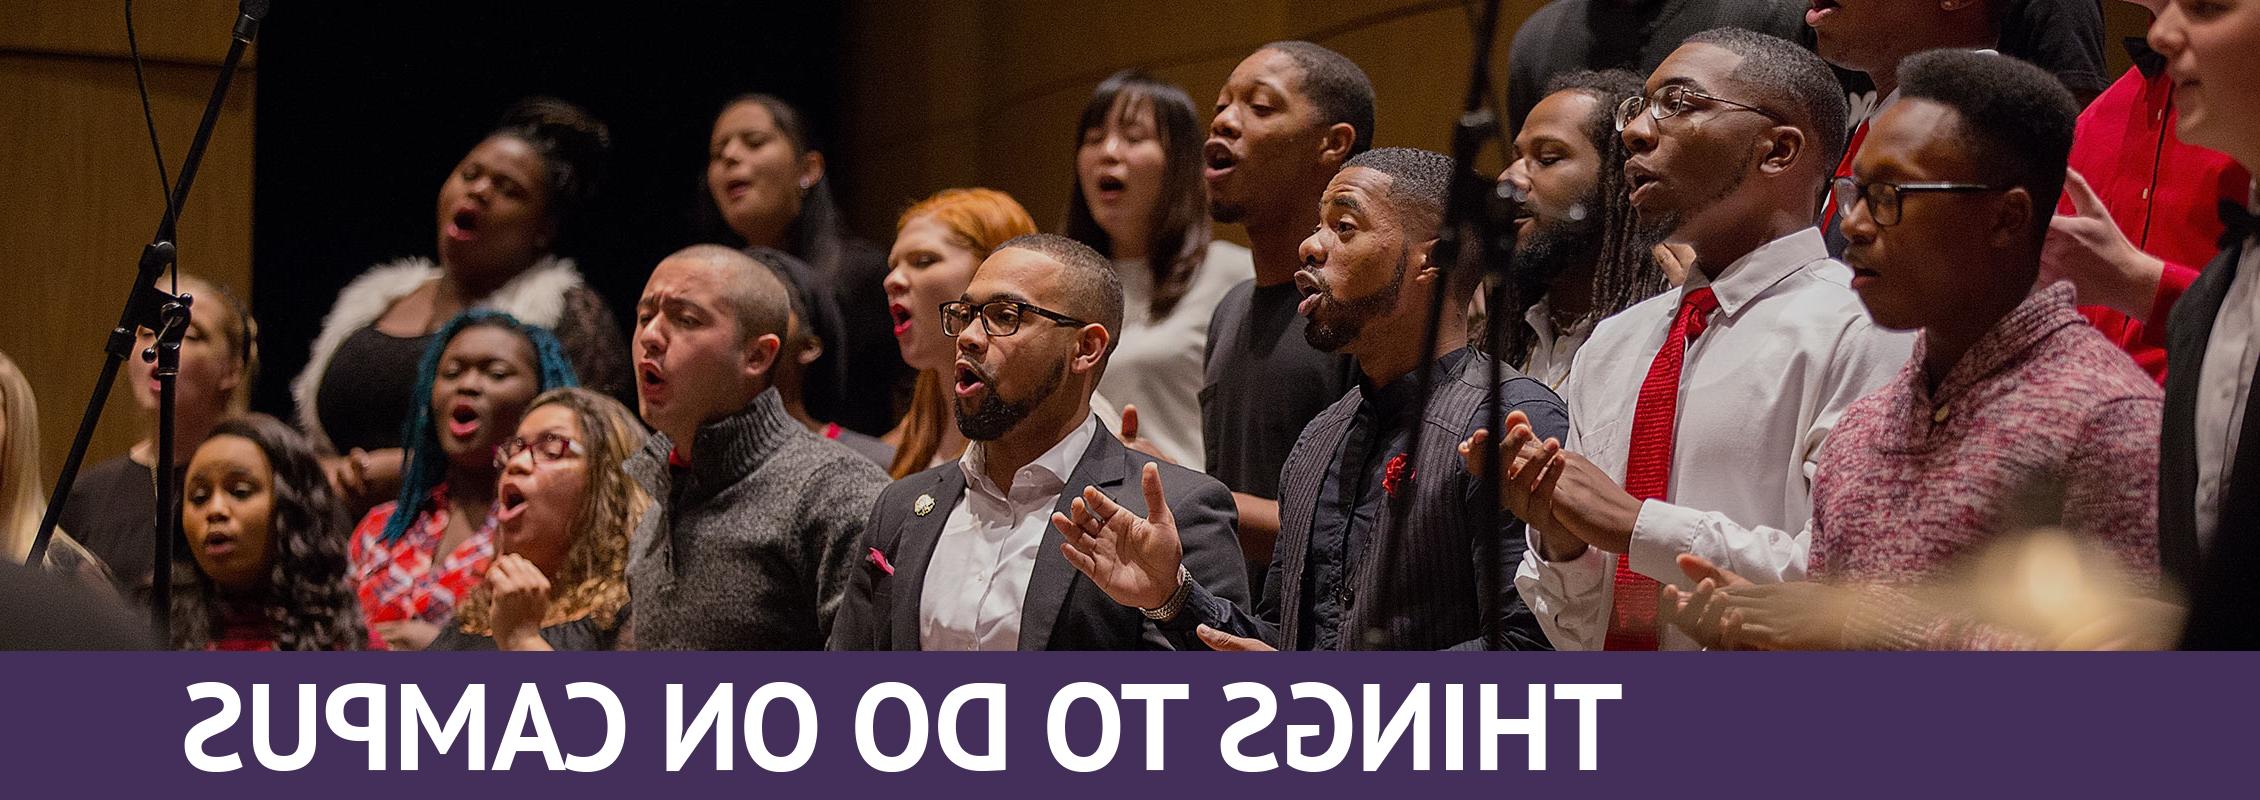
(750, 547)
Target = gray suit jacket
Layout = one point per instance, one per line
(1063, 610)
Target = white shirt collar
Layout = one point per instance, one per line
(1757, 271)
(1048, 472)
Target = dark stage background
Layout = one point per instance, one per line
(364, 107)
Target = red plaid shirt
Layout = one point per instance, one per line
(400, 581)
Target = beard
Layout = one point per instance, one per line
(1334, 324)
(1554, 247)
(994, 416)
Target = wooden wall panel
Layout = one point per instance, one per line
(986, 93)
(79, 193)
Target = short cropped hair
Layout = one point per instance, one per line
(758, 299)
(1785, 78)
(1337, 85)
(1420, 182)
(2016, 119)
(1094, 291)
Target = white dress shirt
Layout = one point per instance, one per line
(2224, 385)
(1789, 347)
(1158, 364)
(1550, 359)
(977, 581)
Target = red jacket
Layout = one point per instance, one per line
(2163, 193)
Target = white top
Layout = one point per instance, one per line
(1157, 366)
(1788, 349)
(1550, 360)
(2224, 386)
(978, 578)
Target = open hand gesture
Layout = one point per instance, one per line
(1133, 559)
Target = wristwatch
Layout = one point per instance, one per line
(1168, 610)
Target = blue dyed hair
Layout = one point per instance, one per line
(424, 464)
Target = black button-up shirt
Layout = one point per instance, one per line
(1351, 500)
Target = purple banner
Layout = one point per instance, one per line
(605, 725)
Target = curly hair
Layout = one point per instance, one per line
(425, 464)
(309, 598)
(593, 583)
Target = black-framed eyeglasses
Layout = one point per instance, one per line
(1672, 101)
(548, 447)
(1883, 198)
(998, 317)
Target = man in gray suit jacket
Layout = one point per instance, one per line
(962, 556)
(1377, 550)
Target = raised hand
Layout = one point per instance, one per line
(1130, 437)
(1133, 559)
(2087, 248)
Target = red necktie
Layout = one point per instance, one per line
(1843, 170)
(1647, 468)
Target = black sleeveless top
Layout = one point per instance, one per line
(365, 393)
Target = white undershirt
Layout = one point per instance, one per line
(977, 582)
(2224, 386)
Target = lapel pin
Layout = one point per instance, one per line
(924, 506)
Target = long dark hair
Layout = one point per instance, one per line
(818, 235)
(1178, 236)
(309, 595)
(1625, 272)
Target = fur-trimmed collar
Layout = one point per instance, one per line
(536, 296)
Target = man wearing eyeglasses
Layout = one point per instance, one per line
(2013, 410)
(754, 535)
(1719, 394)
(1380, 540)
(1872, 36)
(963, 556)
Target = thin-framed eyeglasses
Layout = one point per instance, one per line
(1883, 197)
(998, 317)
(548, 447)
(1672, 101)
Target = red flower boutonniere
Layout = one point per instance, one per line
(878, 559)
(1396, 475)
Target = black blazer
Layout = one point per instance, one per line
(1063, 609)
(2224, 588)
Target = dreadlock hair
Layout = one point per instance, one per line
(1178, 234)
(593, 584)
(1625, 271)
(309, 597)
(425, 464)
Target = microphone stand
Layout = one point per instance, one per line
(147, 306)
(1478, 208)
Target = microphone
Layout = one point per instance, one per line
(248, 15)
